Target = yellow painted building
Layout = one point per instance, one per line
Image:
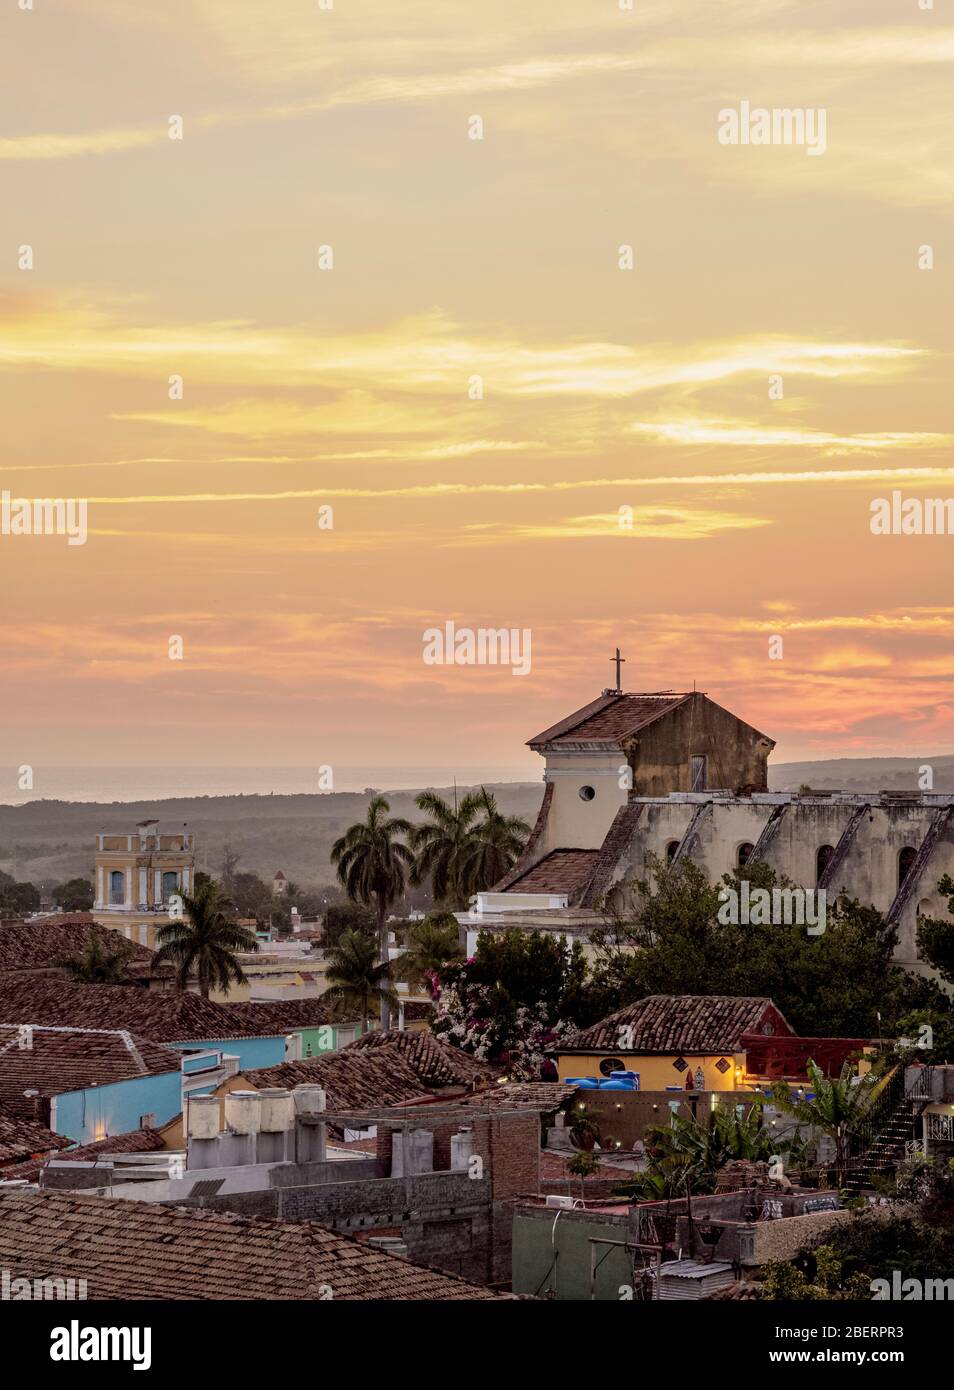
(675, 1042)
(138, 875)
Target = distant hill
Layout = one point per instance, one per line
(47, 842)
(862, 774)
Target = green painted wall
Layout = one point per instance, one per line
(534, 1269)
(326, 1038)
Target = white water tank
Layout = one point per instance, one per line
(203, 1117)
(309, 1100)
(461, 1150)
(278, 1110)
(243, 1112)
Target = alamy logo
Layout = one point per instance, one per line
(761, 907)
(912, 516)
(43, 516)
(17, 1289)
(483, 646)
(901, 1290)
(778, 125)
(76, 1343)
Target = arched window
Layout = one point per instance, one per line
(822, 860)
(744, 854)
(671, 850)
(170, 884)
(117, 887)
(905, 862)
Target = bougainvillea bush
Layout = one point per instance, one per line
(513, 1002)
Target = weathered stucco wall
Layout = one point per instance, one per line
(736, 754)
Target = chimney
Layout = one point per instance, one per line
(309, 1124)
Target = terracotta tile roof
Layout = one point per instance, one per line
(20, 1138)
(40, 945)
(144, 1250)
(610, 719)
(435, 1063)
(521, 1095)
(739, 1292)
(560, 871)
(285, 1015)
(70, 1059)
(136, 1141)
(352, 1080)
(164, 1015)
(699, 1023)
(553, 1169)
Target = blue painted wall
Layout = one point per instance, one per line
(116, 1108)
(251, 1052)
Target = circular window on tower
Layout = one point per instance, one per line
(587, 793)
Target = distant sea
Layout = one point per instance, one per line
(161, 783)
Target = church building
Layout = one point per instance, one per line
(674, 776)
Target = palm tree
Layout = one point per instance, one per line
(204, 941)
(441, 844)
(97, 963)
(838, 1108)
(359, 981)
(374, 865)
(493, 847)
(428, 946)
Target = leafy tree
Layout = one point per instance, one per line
(512, 1001)
(373, 865)
(359, 981)
(826, 1280)
(935, 936)
(832, 984)
(75, 895)
(583, 1165)
(429, 946)
(98, 963)
(344, 917)
(915, 1239)
(19, 897)
(251, 896)
(205, 940)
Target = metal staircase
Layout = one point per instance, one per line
(891, 1129)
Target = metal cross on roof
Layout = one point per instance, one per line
(620, 661)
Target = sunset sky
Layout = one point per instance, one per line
(603, 388)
